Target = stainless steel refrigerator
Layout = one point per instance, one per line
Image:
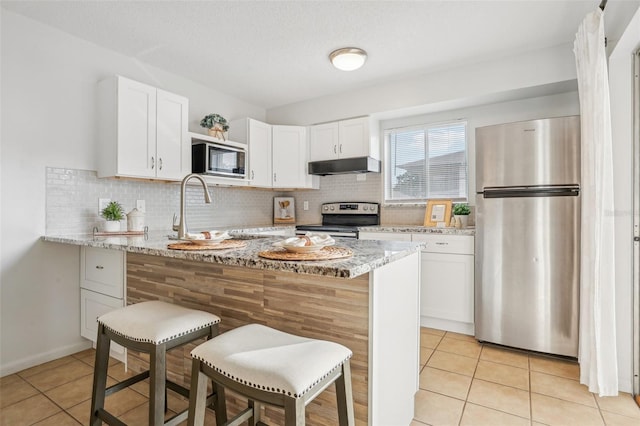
(527, 265)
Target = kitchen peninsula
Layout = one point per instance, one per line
(368, 302)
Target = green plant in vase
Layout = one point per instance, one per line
(216, 124)
(113, 213)
(461, 212)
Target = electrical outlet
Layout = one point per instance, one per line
(140, 205)
(361, 177)
(305, 205)
(102, 203)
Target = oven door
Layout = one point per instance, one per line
(226, 161)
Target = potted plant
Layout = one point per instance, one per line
(461, 213)
(216, 124)
(113, 213)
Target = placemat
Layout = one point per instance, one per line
(327, 253)
(224, 245)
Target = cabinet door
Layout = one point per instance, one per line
(172, 143)
(260, 154)
(288, 155)
(323, 142)
(92, 305)
(354, 138)
(447, 286)
(136, 138)
(392, 236)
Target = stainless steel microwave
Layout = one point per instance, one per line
(218, 159)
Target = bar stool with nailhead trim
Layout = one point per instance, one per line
(153, 327)
(271, 367)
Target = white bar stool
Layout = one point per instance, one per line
(271, 367)
(153, 327)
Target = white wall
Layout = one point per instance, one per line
(621, 85)
(48, 85)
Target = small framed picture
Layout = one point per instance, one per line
(284, 210)
(438, 212)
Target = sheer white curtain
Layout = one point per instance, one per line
(597, 353)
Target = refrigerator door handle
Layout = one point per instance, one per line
(524, 191)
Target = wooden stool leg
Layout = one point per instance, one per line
(294, 412)
(255, 406)
(157, 377)
(99, 375)
(344, 396)
(220, 404)
(198, 397)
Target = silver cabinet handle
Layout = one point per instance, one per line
(252, 174)
(153, 163)
(99, 267)
(442, 244)
(274, 177)
(335, 151)
(160, 163)
(340, 149)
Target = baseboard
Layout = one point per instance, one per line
(447, 325)
(32, 361)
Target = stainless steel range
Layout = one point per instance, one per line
(343, 219)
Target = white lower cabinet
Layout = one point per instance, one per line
(446, 278)
(447, 282)
(102, 290)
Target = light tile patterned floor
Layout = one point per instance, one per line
(466, 383)
(461, 383)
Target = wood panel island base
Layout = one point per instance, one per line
(368, 303)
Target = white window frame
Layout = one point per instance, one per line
(386, 169)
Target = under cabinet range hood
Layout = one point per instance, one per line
(344, 165)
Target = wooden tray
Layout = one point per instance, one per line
(327, 253)
(224, 245)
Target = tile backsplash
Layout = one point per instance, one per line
(72, 202)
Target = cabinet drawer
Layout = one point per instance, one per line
(102, 271)
(438, 243)
(92, 305)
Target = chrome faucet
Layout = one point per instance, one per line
(182, 226)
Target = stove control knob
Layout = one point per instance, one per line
(325, 208)
(332, 208)
(366, 207)
(373, 209)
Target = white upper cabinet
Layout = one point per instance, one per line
(277, 154)
(143, 131)
(257, 136)
(173, 147)
(343, 139)
(289, 154)
(323, 143)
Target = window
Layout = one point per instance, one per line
(426, 162)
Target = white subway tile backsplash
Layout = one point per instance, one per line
(72, 203)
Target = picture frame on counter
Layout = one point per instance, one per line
(438, 213)
(284, 210)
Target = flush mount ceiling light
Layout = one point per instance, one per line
(348, 58)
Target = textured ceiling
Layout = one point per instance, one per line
(273, 53)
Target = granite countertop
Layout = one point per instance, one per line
(367, 255)
(416, 229)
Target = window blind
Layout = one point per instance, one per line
(426, 162)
